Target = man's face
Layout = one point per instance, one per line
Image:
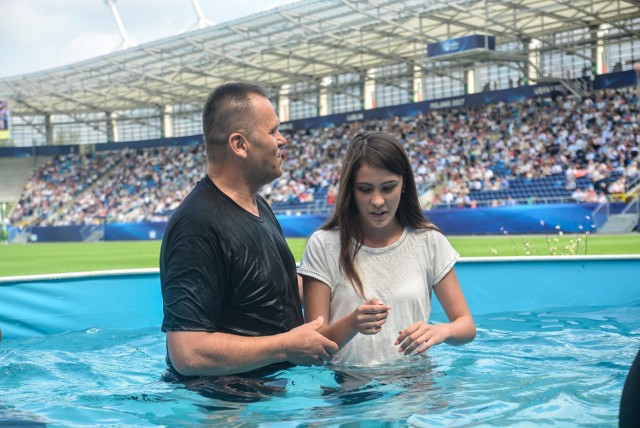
(265, 142)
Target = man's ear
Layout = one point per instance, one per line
(238, 144)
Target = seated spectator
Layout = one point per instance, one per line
(617, 186)
(578, 195)
(464, 154)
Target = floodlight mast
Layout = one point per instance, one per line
(126, 43)
(201, 21)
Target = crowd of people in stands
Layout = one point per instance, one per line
(455, 153)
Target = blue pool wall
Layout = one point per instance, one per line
(52, 304)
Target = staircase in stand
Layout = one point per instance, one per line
(619, 223)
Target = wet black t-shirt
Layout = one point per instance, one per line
(223, 269)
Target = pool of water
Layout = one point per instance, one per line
(563, 366)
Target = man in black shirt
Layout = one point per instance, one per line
(229, 281)
(629, 416)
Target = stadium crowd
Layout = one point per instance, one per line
(455, 153)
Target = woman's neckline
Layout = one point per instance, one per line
(388, 247)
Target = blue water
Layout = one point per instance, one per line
(564, 367)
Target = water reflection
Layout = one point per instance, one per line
(316, 394)
(515, 373)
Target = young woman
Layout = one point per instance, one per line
(370, 270)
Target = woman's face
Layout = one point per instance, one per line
(377, 195)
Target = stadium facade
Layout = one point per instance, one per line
(115, 142)
(326, 57)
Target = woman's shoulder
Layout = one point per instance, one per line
(429, 236)
(325, 235)
(324, 239)
(322, 244)
(424, 232)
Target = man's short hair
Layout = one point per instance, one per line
(228, 109)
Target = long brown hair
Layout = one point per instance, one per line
(379, 150)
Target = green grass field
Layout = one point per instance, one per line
(33, 259)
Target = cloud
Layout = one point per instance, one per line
(25, 23)
(89, 45)
(36, 35)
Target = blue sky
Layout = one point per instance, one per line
(37, 35)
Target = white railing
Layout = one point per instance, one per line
(601, 214)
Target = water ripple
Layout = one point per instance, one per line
(561, 367)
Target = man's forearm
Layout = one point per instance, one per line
(218, 354)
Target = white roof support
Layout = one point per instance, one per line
(126, 43)
(300, 42)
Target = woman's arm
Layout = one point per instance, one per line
(367, 318)
(461, 325)
(460, 329)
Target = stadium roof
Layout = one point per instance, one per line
(299, 42)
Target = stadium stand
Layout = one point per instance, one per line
(556, 120)
(15, 174)
(533, 151)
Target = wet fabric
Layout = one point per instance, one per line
(223, 269)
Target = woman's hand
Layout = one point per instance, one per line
(369, 317)
(421, 336)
